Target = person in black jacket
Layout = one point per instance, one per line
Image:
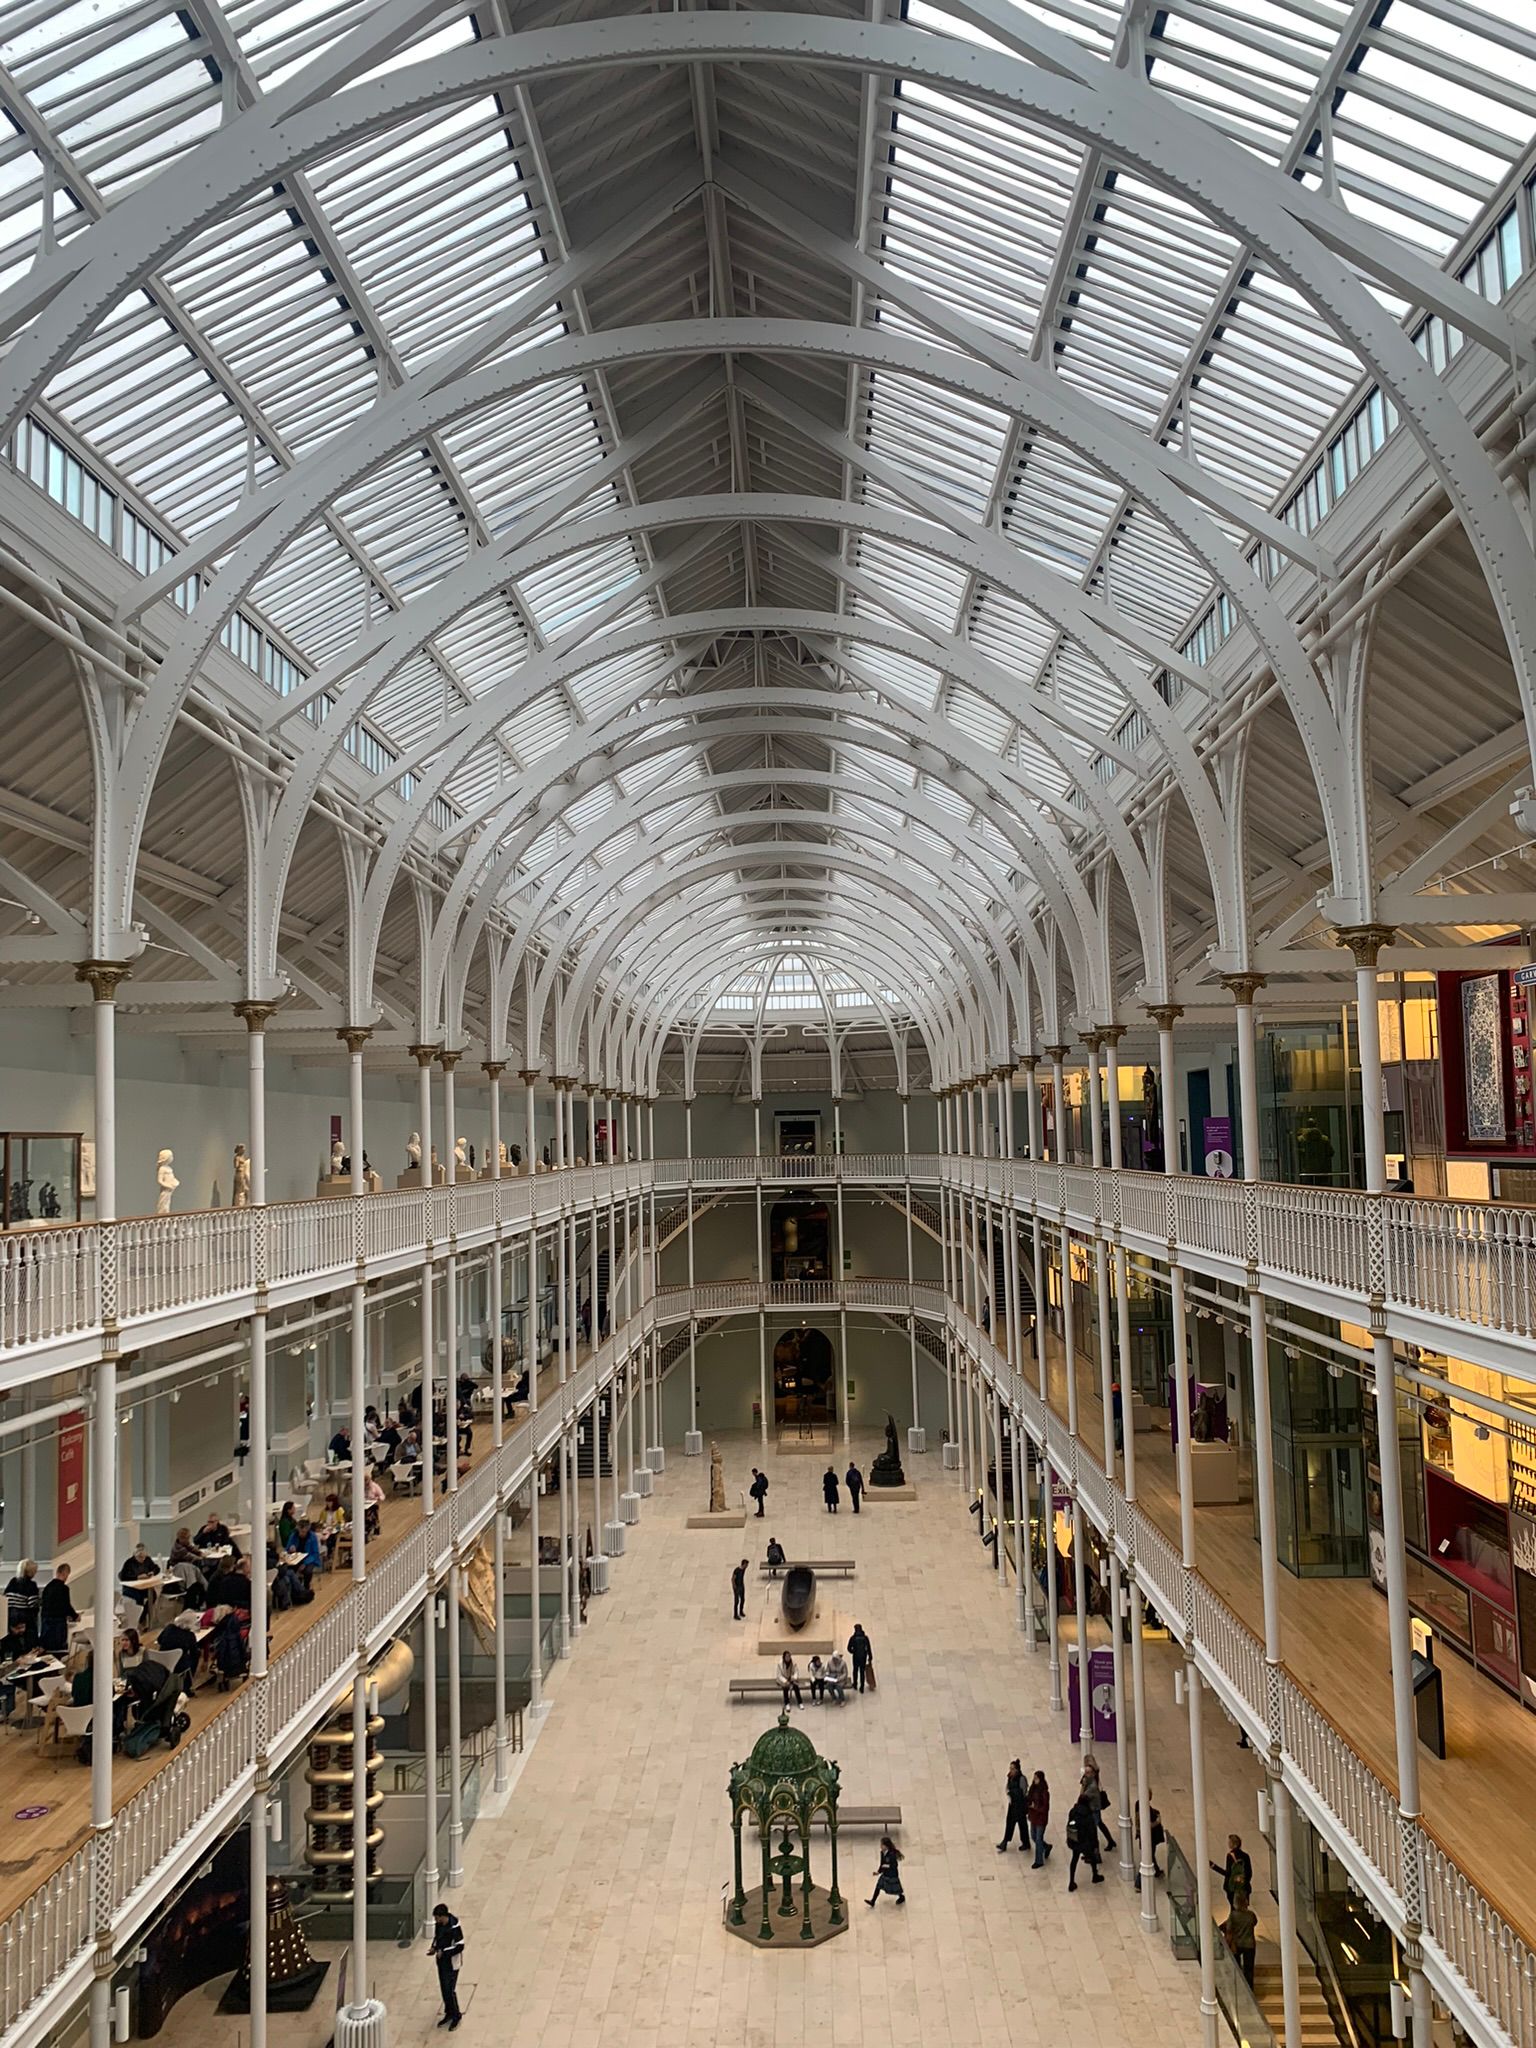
(140, 1566)
(862, 1651)
(1236, 1873)
(775, 1558)
(56, 1614)
(829, 1491)
(447, 1951)
(1016, 1792)
(853, 1479)
(1083, 1837)
(759, 1489)
(739, 1591)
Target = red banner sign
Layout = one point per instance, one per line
(71, 1478)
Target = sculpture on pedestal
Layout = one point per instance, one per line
(338, 1158)
(886, 1470)
(413, 1149)
(166, 1181)
(716, 1482)
(242, 1179)
(460, 1155)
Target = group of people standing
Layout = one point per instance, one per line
(853, 1479)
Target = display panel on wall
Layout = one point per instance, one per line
(1486, 1075)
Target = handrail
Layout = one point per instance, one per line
(1478, 1950)
(1473, 1950)
(1456, 1263)
(159, 1829)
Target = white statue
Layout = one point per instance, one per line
(242, 1195)
(505, 1161)
(413, 1149)
(461, 1155)
(435, 1164)
(165, 1179)
(337, 1155)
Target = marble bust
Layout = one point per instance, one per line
(166, 1181)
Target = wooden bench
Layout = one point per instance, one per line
(841, 1567)
(886, 1818)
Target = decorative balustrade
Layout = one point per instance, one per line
(1455, 1262)
(156, 1830)
(1473, 1942)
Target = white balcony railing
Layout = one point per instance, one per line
(1478, 1960)
(159, 1832)
(1452, 1263)
(1480, 1963)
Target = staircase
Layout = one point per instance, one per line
(584, 1443)
(1317, 2028)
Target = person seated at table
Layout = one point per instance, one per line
(373, 1500)
(140, 1566)
(329, 1526)
(82, 1693)
(232, 1587)
(178, 1640)
(409, 1452)
(130, 1648)
(214, 1535)
(56, 1614)
(186, 1565)
(389, 1434)
(340, 1447)
(306, 1556)
(22, 1596)
(16, 1647)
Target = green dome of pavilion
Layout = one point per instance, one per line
(783, 1752)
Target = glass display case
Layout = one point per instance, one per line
(42, 1179)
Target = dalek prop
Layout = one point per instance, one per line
(331, 1852)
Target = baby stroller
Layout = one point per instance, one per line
(160, 1710)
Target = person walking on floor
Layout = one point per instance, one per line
(447, 1951)
(853, 1479)
(888, 1876)
(1017, 1796)
(1083, 1837)
(1236, 1873)
(759, 1489)
(862, 1651)
(1240, 1931)
(1039, 1810)
(1093, 1790)
(739, 1591)
(829, 1489)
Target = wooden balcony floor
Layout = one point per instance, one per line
(1334, 1644)
(55, 1781)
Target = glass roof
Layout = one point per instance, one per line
(424, 252)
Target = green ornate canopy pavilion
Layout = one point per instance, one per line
(784, 1783)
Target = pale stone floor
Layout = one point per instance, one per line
(592, 1906)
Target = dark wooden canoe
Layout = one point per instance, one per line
(799, 1601)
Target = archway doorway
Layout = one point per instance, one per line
(804, 1379)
